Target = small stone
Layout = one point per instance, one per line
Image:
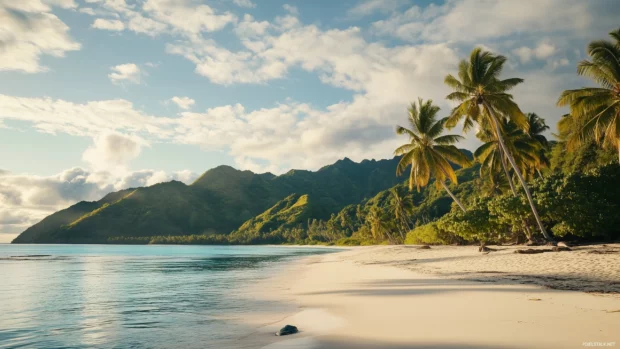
(563, 244)
(424, 247)
(560, 248)
(286, 330)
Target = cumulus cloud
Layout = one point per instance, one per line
(183, 102)
(291, 9)
(113, 151)
(154, 17)
(108, 24)
(29, 30)
(542, 51)
(188, 16)
(453, 21)
(88, 119)
(249, 28)
(128, 72)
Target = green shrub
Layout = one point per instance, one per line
(431, 234)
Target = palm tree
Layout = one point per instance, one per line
(428, 152)
(524, 149)
(378, 227)
(483, 96)
(402, 206)
(536, 127)
(598, 107)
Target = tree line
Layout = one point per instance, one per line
(518, 186)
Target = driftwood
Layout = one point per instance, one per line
(533, 251)
(603, 251)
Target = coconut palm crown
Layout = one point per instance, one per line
(524, 148)
(428, 151)
(480, 89)
(598, 108)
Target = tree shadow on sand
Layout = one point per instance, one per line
(412, 287)
(351, 343)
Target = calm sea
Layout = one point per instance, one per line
(113, 296)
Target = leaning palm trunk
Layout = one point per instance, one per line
(528, 232)
(518, 173)
(505, 167)
(453, 197)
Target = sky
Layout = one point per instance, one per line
(101, 95)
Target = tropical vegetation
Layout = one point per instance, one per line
(517, 187)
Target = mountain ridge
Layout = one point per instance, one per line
(217, 202)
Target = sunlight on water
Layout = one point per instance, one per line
(110, 296)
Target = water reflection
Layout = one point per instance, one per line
(129, 296)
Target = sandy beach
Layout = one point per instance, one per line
(445, 297)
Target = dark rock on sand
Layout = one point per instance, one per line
(424, 247)
(286, 330)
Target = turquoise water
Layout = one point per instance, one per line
(114, 296)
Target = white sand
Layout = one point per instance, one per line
(367, 298)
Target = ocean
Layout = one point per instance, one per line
(133, 296)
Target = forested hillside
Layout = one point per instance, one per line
(218, 202)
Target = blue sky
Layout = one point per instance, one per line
(99, 95)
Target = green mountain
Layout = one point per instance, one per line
(218, 202)
(293, 211)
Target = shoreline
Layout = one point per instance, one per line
(372, 297)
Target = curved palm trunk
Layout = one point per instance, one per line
(453, 197)
(508, 178)
(528, 232)
(518, 172)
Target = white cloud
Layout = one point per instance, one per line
(291, 9)
(244, 3)
(187, 17)
(249, 28)
(87, 10)
(153, 17)
(129, 72)
(183, 102)
(113, 152)
(562, 62)
(88, 119)
(145, 25)
(29, 30)
(473, 20)
(368, 7)
(542, 51)
(108, 24)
